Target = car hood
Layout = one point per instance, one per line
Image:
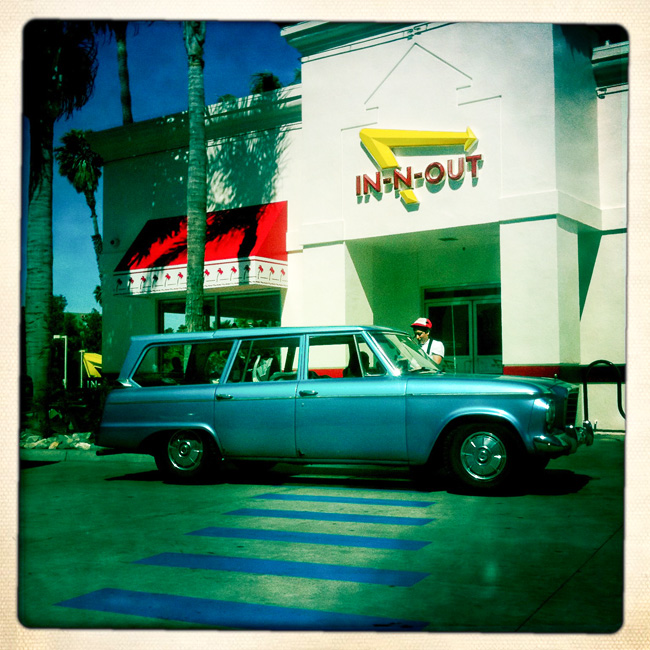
(487, 384)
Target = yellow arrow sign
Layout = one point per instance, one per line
(381, 142)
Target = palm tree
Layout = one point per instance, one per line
(117, 28)
(83, 168)
(225, 99)
(194, 36)
(264, 82)
(59, 67)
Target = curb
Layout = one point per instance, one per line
(59, 455)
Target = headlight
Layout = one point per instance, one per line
(549, 406)
(550, 415)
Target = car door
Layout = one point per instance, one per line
(255, 406)
(348, 406)
(172, 387)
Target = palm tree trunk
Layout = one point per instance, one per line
(194, 33)
(119, 29)
(98, 245)
(39, 285)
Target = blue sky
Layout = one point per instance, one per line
(234, 51)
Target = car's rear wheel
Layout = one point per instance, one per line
(186, 456)
(482, 456)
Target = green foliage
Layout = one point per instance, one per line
(264, 82)
(59, 68)
(242, 323)
(91, 331)
(225, 99)
(78, 162)
(83, 332)
(97, 293)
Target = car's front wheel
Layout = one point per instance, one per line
(482, 456)
(186, 456)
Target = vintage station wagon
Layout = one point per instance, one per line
(319, 395)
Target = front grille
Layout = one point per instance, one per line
(571, 408)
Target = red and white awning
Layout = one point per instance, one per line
(244, 246)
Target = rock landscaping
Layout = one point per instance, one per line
(33, 440)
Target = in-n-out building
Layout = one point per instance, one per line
(471, 173)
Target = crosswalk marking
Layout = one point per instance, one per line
(332, 516)
(353, 500)
(314, 570)
(232, 615)
(357, 541)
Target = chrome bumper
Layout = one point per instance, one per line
(566, 442)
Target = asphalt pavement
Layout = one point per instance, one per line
(106, 543)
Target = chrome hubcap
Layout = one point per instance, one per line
(185, 450)
(483, 456)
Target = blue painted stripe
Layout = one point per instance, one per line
(232, 615)
(331, 516)
(356, 541)
(285, 568)
(356, 500)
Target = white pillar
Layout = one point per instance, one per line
(540, 292)
(331, 291)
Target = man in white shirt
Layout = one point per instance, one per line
(422, 330)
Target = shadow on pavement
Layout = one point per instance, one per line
(152, 475)
(292, 476)
(550, 482)
(31, 464)
(358, 477)
(557, 481)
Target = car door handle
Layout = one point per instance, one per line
(308, 393)
(223, 396)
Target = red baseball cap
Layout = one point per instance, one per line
(422, 323)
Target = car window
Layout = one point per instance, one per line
(183, 363)
(404, 353)
(370, 363)
(341, 355)
(260, 360)
(207, 362)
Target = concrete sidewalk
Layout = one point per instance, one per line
(59, 455)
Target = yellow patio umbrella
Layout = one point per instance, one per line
(93, 364)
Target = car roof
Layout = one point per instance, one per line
(247, 332)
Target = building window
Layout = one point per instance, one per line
(220, 312)
(256, 310)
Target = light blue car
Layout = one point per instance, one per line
(346, 394)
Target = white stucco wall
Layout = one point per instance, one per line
(433, 81)
(135, 190)
(612, 159)
(244, 170)
(603, 319)
(529, 293)
(553, 155)
(536, 116)
(576, 124)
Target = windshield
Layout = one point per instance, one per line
(404, 353)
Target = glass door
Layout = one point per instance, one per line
(470, 329)
(488, 356)
(452, 324)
